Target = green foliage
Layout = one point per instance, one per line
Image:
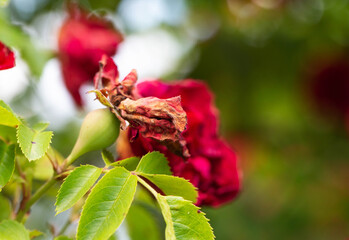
(4, 3)
(141, 224)
(8, 117)
(5, 208)
(183, 219)
(12, 230)
(171, 185)
(7, 162)
(75, 186)
(128, 163)
(107, 205)
(34, 143)
(107, 156)
(15, 37)
(154, 163)
(63, 238)
(8, 134)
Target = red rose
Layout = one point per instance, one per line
(7, 58)
(212, 165)
(83, 39)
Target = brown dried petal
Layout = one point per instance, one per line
(129, 82)
(161, 119)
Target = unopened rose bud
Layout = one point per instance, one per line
(99, 130)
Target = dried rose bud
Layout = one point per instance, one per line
(161, 119)
(99, 130)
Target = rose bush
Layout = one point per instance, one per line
(83, 39)
(212, 165)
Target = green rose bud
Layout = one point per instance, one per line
(99, 130)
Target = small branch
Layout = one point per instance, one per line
(38, 194)
(25, 187)
(65, 227)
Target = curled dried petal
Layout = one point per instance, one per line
(129, 82)
(108, 75)
(161, 119)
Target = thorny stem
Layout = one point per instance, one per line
(25, 188)
(38, 194)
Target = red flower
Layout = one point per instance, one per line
(212, 165)
(83, 39)
(7, 58)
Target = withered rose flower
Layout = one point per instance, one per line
(160, 119)
(83, 39)
(7, 58)
(212, 164)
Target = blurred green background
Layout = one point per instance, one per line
(259, 57)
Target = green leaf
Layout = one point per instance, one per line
(171, 185)
(8, 117)
(33, 143)
(183, 219)
(128, 163)
(107, 205)
(108, 157)
(41, 126)
(7, 162)
(8, 133)
(142, 224)
(75, 186)
(12, 230)
(5, 208)
(154, 163)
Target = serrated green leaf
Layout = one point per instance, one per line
(154, 163)
(5, 208)
(33, 143)
(75, 186)
(7, 162)
(41, 126)
(8, 118)
(107, 157)
(128, 163)
(7, 107)
(183, 219)
(171, 185)
(12, 230)
(107, 205)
